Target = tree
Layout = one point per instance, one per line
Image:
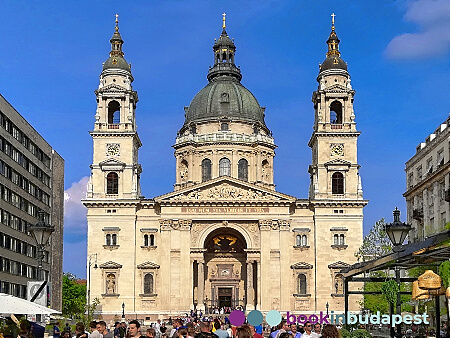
(73, 297)
(375, 244)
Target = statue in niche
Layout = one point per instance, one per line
(184, 171)
(111, 283)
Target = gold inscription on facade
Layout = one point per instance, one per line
(222, 210)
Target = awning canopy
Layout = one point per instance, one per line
(13, 305)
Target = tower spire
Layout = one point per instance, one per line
(116, 41)
(333, 41)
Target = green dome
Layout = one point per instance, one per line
(116, 62)
(226, 97)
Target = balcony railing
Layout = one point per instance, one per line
(230, 137)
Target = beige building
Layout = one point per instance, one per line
(31, 179)
(428, 182)
(224, 236)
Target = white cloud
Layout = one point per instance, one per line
(433, 18)
(75, 222)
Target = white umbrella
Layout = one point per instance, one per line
(13, 305)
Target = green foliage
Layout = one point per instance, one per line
(447, 226)
(344, 333)
(390, 289)
(444, 272)
(73, 297)
(360, 334)
(375, 244)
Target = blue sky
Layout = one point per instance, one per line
(397, 54)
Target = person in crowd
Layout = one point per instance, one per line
(254, 333)
(308, 331)
(116, 330)
(163, 329)
(317, 329)
(101, 327)
(205, 331)
(176, 325)
(182, 333)
(67, 328)
(330, 331)
(294, 331)
(94, 331)
(243, 331)
(282, 327)
(151, 333)
(134, 330)
(56, 331)
(219, 331)
(80, 331)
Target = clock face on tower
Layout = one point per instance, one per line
(337, 150)
(112, 150)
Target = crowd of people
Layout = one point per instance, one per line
(196, 327)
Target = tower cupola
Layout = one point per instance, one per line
(333, 60)
(224, 52)
(116, 59)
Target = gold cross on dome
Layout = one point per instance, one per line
(332, 18)
(223, 25)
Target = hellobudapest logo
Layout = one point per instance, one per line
(274, 318)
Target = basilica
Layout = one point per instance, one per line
(224, 237)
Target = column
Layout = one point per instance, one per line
(201, 285)
(258, 285)
(250, 292)
(192, 284)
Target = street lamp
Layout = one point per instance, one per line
(123, 312)
(327, 306)
(397, 231)
(41, 233)
(92, 258)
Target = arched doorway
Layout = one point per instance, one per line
(225, 270)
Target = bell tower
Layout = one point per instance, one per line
(334, 171)
(115, 170)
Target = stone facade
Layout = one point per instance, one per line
(428, 183)
(224, 236)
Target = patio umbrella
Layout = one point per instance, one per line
(13, 305)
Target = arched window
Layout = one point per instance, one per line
(341, 239)
(108, 239)
(148, 284)
(113, 112)
(112, 183)
(224, 167)
(304, 240)
(336, 112)
(336, 239)
(145, 240)
(114, 239)
(243, 169)
(337, 183)
(152, 240)
(298, 240)
(301, 282)
(206, 169)
(339, 284)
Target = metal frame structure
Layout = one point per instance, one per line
(431, 251)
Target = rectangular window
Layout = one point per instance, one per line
(419, 173)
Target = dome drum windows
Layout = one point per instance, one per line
(206, 169)
(243, 170)
(224, 167)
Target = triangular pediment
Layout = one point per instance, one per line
(337, 88)
(338, 265)
(112, 164)
(110, 265)
(301, 265)
(148, 265)
(336, 162)
(225, 188)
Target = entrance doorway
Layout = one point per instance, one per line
(224, 297)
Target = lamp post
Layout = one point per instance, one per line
(397, 232)
(327, 306)
(123, 312)
(92, 258)
(41, 233)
